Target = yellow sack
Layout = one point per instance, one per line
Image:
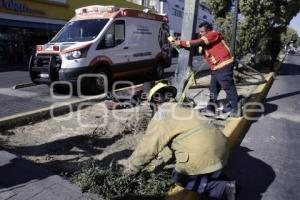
(179, 193)
(191, 79)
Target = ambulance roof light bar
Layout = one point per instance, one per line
(95, 10)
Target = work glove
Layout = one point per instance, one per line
(171, 39)
(128, 169)
(175, 43)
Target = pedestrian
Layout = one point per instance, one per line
(200, 148)
(217, 54)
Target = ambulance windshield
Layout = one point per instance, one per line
(80, 31)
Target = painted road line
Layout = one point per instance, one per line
(28, 95)
(19, 93)
(23, 85)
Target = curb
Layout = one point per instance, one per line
(38, 115)
(62, 108)
(235, 130)
(23, 85)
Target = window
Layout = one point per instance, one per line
(80, 31)
(119, 32)
(116, 35)
(177, 13)
(204, 17)
(173, 11)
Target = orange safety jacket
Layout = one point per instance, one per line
(216, 51)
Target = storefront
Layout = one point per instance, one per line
(26, 23)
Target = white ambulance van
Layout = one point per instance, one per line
(115, 42)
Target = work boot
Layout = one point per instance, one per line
(209, 111)
(224, 113)
(235, 113)
(230, 191)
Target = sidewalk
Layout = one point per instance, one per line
(22, 180)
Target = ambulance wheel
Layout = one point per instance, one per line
(98, 85)
(158, 71)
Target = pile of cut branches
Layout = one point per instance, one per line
(115, 185)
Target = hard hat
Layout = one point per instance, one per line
(161, 87)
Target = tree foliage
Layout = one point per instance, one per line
(298, 43)
(290, 35)
(261, 23)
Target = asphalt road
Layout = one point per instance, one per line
(36, 97)
(267, 163)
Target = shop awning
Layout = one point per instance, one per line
(23, 24)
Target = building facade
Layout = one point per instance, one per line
(174, 9)
(27, 23)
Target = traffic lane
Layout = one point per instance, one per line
(26, 99)
(9, 79)
(291, 66)
(11, 105)
(266, 165)
(38, 96)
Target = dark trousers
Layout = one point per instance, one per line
(207, 184)
(223, 79)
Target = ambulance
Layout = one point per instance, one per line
(116, 42)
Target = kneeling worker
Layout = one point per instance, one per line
(200, 148)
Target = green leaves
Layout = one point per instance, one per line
(288, 36)
(115, 185)
(259, 21)
(219, 8)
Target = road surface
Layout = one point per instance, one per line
(36, 97)
(267, 163)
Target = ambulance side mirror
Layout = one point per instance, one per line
(109, 40)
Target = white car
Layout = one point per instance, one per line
(106, 40)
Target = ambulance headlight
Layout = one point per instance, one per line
(73, 55)
(76, 54)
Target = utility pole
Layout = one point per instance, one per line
(185, 56)
(161, 6)
(234, 28)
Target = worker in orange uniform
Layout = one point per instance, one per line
(218, 56)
